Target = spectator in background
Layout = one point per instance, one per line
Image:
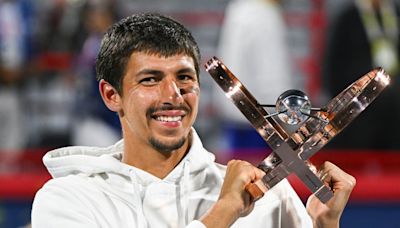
(61, 98)
(95, 125)
(61, 28)
(253, 46)
(50, 89)
(364, 35)
(15, 18)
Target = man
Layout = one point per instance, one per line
(160, 175)
(253, 44)
(362, 35)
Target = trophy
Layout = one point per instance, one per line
(314, 127)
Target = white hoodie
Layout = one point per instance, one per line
(91, 187)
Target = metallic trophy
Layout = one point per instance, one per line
(315, 127)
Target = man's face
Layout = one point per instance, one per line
(160, 98)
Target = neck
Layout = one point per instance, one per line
(157, 163)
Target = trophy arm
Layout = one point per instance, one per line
(261, 120)
(291, 151)
(339, 112)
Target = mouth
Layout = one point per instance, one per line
(168, 118)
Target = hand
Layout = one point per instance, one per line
(342, 184)
(234, 201)
(238, 175)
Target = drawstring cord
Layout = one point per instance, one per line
(186, 191)
(183, 195)
(141, 221)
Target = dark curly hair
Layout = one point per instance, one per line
(149, 33)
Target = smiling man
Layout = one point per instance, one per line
(159, 174)
(158, 106)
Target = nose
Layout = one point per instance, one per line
(170, 92)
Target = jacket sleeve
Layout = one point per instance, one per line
(56, 206)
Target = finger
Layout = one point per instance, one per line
(335, 177)
(240, 173)
(259, 173)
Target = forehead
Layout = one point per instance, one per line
(140, 60)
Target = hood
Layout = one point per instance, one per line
(94, 160)
(123, 181)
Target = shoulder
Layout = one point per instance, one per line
(62, 200)
(82, 188)
(68, 184)
(68, 191)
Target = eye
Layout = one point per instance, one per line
(185, 78)
(148, 81)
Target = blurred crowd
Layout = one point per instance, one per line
(49, 95)
(48, 92)
(362, 35)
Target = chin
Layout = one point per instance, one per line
(167, 147)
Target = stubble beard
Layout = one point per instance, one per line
(166, 148)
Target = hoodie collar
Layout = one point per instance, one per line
(93, 160)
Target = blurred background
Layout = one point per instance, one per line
(49, 98)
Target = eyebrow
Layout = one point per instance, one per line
(150, 71)
(158, 72)
(186, 70)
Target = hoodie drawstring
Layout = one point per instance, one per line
(141, 221)
(184, 193)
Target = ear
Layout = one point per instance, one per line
(110, 96)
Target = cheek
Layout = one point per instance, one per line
(139, 101)
(196, 90)
(192, 93)
(193, 90)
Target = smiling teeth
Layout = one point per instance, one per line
(169, 118)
